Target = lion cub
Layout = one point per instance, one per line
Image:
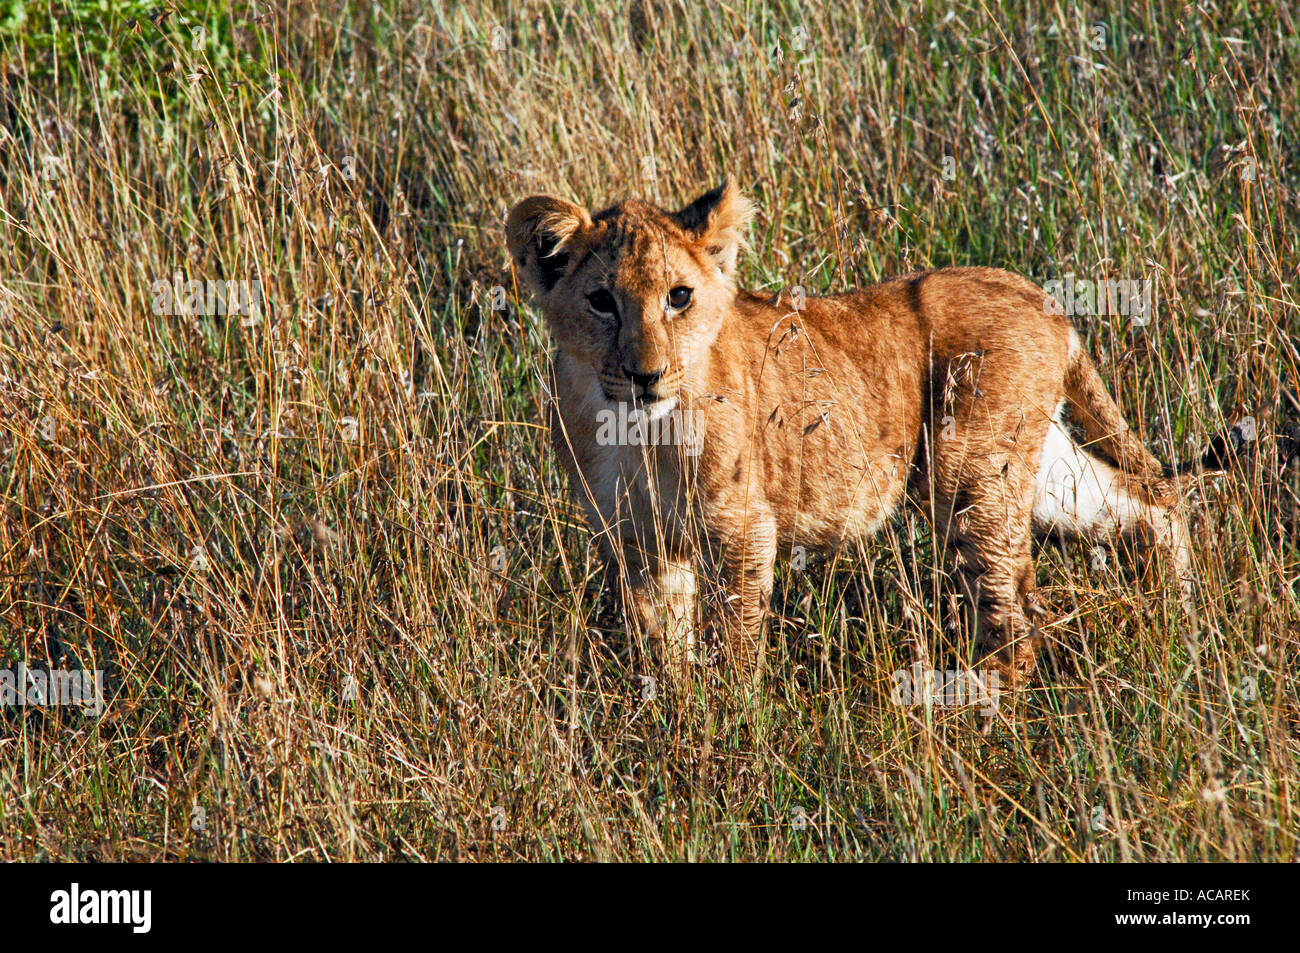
(704, 427)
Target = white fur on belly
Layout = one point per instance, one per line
(1077, 492)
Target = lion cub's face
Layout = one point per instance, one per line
(634, 294)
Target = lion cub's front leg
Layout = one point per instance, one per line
(660, 598)
(747, 563)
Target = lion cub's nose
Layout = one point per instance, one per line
(645, 381)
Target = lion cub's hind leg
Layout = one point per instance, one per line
(983, 504)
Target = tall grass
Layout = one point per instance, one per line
(345, 604)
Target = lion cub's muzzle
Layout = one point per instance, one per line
(638, 385)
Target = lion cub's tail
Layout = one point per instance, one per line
(1108, 434)
(1099, 417)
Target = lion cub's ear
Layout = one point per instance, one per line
(538, 233)
(718, 220)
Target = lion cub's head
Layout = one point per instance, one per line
(634, 293)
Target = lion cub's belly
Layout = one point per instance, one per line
(842, 498)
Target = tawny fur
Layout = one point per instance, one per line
(815, 419)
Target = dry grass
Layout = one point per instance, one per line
(243, 522)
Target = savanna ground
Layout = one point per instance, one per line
(344, 603)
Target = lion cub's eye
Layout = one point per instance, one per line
(679, 298)
(602, 301)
